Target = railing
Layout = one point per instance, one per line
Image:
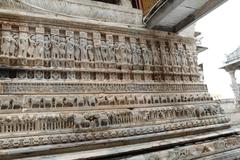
(233, 56)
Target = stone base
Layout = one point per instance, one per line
(148, 147)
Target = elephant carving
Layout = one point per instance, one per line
(101, 100)
(215, 109)
(48, 101)
(163, 99)
(81, 122)
(155, 99)
(148, 99)
(17, 104)
(103, 119)
(140, 99)
(131, 99)
(81, 101)
(111, 100)
(120, 100)
(92, 101)
(35, 102)
(58, 102)
(5, 104)
(70, 102)
(200, 111)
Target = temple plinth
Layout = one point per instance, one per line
(86, 80)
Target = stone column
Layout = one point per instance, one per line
(126, 3)
(235, 87)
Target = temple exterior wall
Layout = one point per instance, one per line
(85, 85)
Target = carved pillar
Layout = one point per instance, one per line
(235, 87)
(39, 46)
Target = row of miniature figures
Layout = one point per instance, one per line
(94, 47)
(34, 122)
(7, 103)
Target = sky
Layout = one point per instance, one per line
(221, 34)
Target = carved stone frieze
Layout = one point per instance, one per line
(66, 87)
(24, 45)
(67, 83)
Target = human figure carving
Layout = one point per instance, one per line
(47, 47)
(23, 45)
(134, 54)
(98, 54)
(55, 46)
(5, 45)
(39, 48)
(156, 55)
(90, 51)
(145, 54)
(62, 48)
(70, 47)
(123, 51)
(111, 51)
(83, 49)
(117, 50)
(139, 54)
(104, 51)
(77, 52)
(128, 53)
(32, 45)
(13, 45)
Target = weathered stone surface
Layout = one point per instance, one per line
(68, 85)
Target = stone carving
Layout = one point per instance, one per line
(83, 46)
(61, 53)
(23, 45)
(77, 53)
(40, 46)
(97, 47)
(156, 55)
(147, 54)
(104, 51)
(5, 43)
(97, 85)
(70, 46)
(55, 46)
(32, 44)
(128, 53)
(90, 51)
(110, 49)
(47, 47)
